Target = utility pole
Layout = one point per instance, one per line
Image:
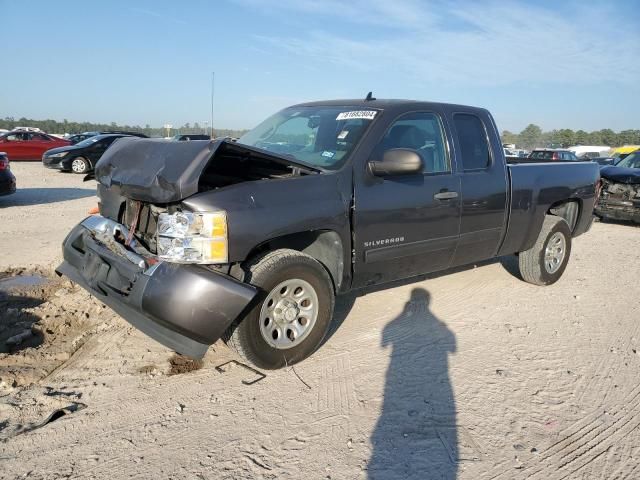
(213, 78)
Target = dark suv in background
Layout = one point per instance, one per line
(553, 154)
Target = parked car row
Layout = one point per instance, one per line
(78, 153)
(620, 176)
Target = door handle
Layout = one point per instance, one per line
(445, 195)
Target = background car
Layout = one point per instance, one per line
(191, 136)
(590, 151)
(7, 180)
(553, 154)
(621, 152)
(81, 157)
(26, 145)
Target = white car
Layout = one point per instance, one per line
(590, 150)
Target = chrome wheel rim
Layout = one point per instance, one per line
(288, 314)
(555, 252)
(78, 166)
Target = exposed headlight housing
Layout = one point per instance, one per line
(193, 237)
(58, 155)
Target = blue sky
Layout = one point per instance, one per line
(557, 64)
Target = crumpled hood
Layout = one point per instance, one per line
(161, 171)
(621, 174)
(154, 170)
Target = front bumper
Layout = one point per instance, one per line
(619, 211)
(184, 307)
(54, 163)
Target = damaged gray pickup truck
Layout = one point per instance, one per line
(250, 241)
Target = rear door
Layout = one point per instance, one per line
(407, 225)
(484, 189)
(38, 144)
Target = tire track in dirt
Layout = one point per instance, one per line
(592, 391)
(585, 436)
(154, 429)
(594, 437)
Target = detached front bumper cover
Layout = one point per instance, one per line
(184, 307)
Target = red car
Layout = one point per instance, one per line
(28, 145)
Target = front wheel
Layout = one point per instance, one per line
(80, 165)
(294, 312)
(545, 262)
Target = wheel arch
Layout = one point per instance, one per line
(569, 209)
(325, 246)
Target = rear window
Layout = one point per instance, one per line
(473, 141)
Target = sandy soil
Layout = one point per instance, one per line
(472, 374)
(38, 216)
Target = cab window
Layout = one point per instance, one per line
(472, 138)
(423, 133)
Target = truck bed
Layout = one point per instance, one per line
(536, 187)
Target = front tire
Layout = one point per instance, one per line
(293, 315)
(545, 262)
(80, 165)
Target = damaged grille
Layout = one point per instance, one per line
(620, 192)
(619, 200)
(147, 222)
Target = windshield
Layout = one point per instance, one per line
(630, 161)
(88, 141)
(321, 136)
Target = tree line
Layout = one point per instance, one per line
(533, 137)
(54, 126)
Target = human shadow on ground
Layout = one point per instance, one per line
(416, 435)
(41, 196)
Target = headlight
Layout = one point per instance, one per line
(58, 155)
(188, 237)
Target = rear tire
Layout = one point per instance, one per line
(293, 313)
(80, 165)
(545, 262)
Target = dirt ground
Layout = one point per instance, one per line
(472, 374)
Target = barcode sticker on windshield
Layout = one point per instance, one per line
(357, 114)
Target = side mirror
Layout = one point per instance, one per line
(397, 161)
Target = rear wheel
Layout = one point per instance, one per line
(294, 312)
(545, 262)
(79, 165)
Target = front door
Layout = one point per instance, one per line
(16, 146)
(407, 225)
